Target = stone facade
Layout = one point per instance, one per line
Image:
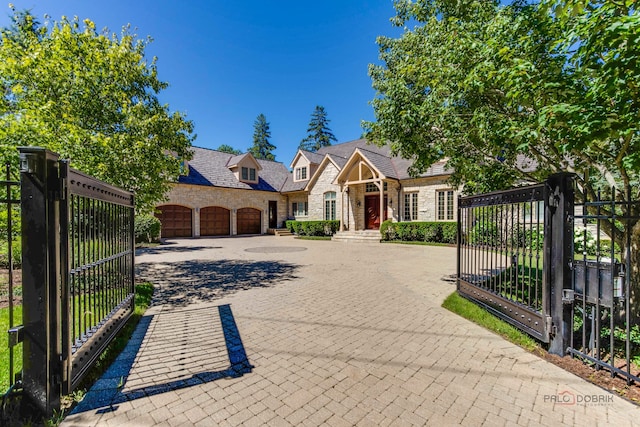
(197, 197)
(214, 180)
(427, 190)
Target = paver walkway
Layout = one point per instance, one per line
(277, 331)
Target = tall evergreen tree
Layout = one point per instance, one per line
(262, 148)
(225, 148)
(318, 133)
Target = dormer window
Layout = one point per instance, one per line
(248, 174)
(301, 173)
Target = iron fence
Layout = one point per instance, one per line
(603, 331)
(10, 233)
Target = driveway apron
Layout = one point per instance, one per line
(277, 331)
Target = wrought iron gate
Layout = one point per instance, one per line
(78, 272)
(500, 256)
(504, 259)
(559, 270)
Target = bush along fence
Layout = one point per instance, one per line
(434, 232)
(313, 228)
(77, 274)
(559, 266)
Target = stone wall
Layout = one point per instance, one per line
(323, 184)
(427, 189)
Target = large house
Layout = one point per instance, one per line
(358, 184)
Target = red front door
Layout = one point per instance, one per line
(372, 212)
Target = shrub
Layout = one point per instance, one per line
(485, 233)
(449, 232)
(313, 228)
(15, 224)
(387, 230)
(147, 228)
(436, 232)
(16, 254)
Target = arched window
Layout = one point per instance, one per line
(330, 205)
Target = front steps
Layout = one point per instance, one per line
(279, 232)
(359, 236)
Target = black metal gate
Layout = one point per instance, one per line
(559, 270)
(506, 261)
(78, 272)
(500, 256)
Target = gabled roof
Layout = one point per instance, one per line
(375, 154)
(211, 168)
(234, 161)
(379, 157)
(313, 158)
(327, 159)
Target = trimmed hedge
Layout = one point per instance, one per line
(437, 232)
(313, 228)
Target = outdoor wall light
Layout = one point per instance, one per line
(358, 203)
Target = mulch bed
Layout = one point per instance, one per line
(4, 287)
(601, 377)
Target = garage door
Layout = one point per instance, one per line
(249, 221)
(214, 221)
(176, 221)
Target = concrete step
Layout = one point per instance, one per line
(359, 236)
(280, 232)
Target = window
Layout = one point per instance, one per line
(445, 205)
(411, 207)
(330, 205)
(248, 174)
(371, 187)
(534, 211)
(301, 173)
(300, 209)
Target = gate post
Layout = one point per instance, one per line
(40, 182)
(558, 256)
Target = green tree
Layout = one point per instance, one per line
(318, 133)
(92, 97)
(262, 148)
(228, 149)
(515, 92)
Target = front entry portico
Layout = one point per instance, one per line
(364, 185)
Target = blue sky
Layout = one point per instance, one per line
(226, 61)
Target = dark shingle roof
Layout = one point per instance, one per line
(209, 167)
(392, 167)
(313, 157)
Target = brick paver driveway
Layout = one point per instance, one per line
(278, 331)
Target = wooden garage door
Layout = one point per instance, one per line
(249, 221)
(176, 221)
(214, 221)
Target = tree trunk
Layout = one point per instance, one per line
(634, 273)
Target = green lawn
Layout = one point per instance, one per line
(4, 346)
(482, 317)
